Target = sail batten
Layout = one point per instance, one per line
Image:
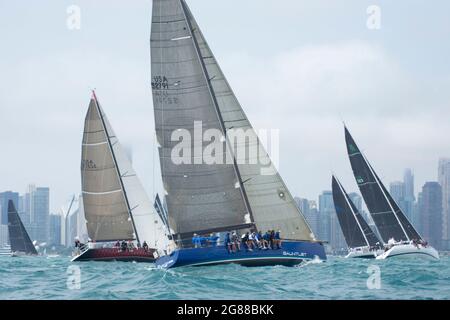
(387, 215)
(188, 85)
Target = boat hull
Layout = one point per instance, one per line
(292, 253)
(114, 254)
(410, 251)
(363, 254)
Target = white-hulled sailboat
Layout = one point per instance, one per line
(399, 236)
(362, 242)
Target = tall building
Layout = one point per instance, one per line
(326, 208)
(36, 212)
(4, 239)
(444, 181)
(4, 198)
(431, 213)
(310, 212)
(357, 201)
(408, 196)
(397, 191)
(54, 230)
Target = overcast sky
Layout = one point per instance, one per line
(299, 66)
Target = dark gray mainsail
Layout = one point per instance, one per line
(18, 237)
(387, 215)
(357, 232)
(189, 86)
(116, 205)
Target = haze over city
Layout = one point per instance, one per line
(389, 85)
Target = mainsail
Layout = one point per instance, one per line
(189, 86)
(18, 236)
(387, 215)
(116, 205)
(356, 231)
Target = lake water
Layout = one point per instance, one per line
(337, 278)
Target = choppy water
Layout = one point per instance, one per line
(338, 278)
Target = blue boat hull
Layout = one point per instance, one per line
(291, 254)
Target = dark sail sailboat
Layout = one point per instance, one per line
(18, 237)
(241, 195)
(360, 238)
(119, 215)
(398, 234)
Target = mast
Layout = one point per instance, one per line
(219, 115)
(116, 165)
(351, 208)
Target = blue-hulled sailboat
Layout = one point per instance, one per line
(244, 195)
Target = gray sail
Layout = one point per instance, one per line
(201, 196)
(189, 86)
(105, 206)
(116, 205)
(18, 237)
(357, 232)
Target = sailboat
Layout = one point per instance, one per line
(361, 240)
(18, 237)
(219, 198)
(399, 236)
(121, 222)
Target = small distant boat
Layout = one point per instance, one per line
(361, 240)
(116, 206)
(19, 239)
(217, 198)
(389, 219)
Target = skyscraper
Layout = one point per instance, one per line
(36, 212)
(397, 191)
(309, 210)
(408, 196)
(357, 201)
(4, 198)
(54, 230)
(444, 181)
(326, 209)
(431, 213)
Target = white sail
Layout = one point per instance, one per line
(115, 203)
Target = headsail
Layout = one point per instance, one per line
(387, 215)
(116, 205)
(18, 236)
(188, 86)
(356, 231)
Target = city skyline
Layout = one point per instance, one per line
(393, 98)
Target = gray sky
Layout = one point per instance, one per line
(300, 66)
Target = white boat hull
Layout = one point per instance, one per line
(363, 254)
(410, 251)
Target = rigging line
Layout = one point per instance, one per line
(384, 194)
(216, 105)
(351, 209)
